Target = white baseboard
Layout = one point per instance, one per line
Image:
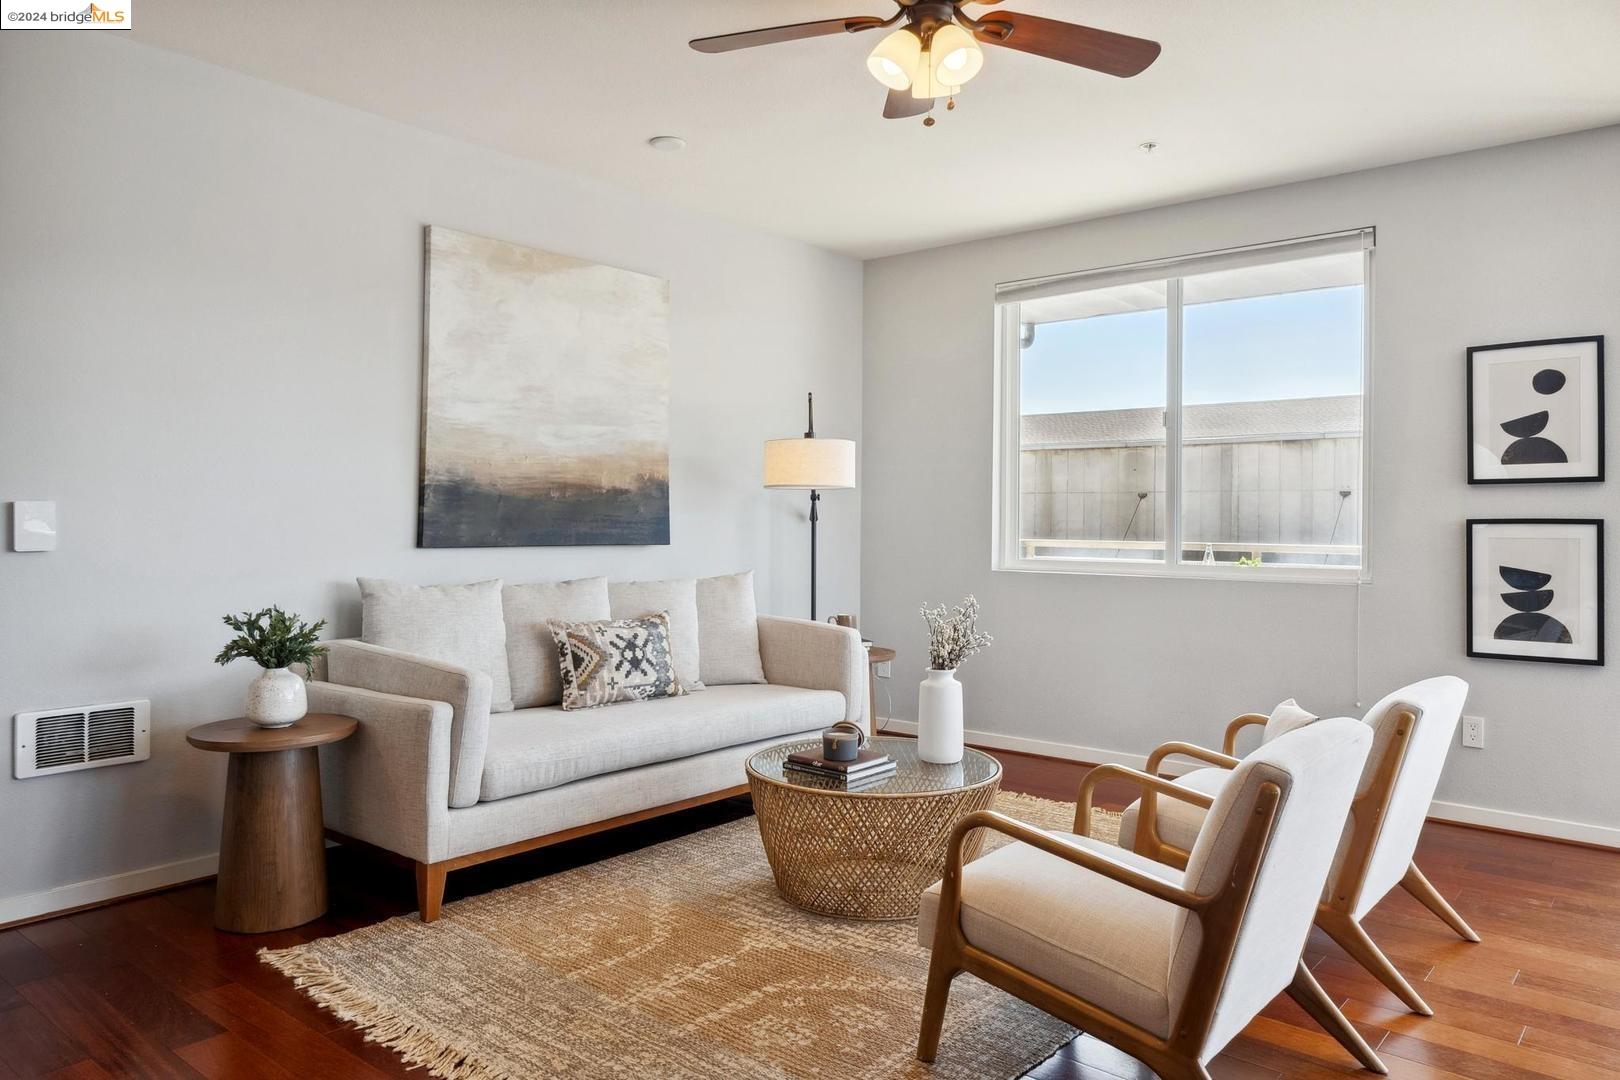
(1511, 821)
(81, 893)
(1091, 755)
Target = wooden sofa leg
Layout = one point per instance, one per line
(1310, 996)
(430, 889)
(1415, 883)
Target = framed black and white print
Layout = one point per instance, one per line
(1535, 589)
(1535, 412)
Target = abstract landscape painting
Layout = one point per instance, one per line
(545, 399)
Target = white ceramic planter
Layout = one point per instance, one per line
(276, 698)
(939, 718)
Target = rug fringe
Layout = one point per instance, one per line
(417, 1046)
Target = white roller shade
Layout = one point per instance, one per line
(1315, 262)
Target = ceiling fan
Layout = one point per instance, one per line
(937, 51)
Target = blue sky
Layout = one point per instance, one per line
(1289, 345)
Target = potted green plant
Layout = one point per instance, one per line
(275, 641)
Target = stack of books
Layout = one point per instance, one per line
(869, 767)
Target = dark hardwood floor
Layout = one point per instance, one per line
(147, 987)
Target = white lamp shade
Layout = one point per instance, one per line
(954, 57)
(895, 59)
(827, 464)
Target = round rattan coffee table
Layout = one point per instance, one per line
(866, 854)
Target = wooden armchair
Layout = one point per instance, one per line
(1412, 730)
(1166, 965)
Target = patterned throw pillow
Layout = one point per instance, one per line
(615, 660)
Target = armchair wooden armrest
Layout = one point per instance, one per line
(1149, 784)
(1229, 745)
(1148, 842)
(950, 892)
(1183, 749)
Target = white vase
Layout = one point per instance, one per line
(939, 718)
(276, 698)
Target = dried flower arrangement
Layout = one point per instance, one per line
(953, 636)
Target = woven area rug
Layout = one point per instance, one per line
(674, 961)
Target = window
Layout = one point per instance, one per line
(1197, 416)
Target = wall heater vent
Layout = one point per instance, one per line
(82, 737)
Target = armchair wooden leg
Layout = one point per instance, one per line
(1363, 950)
(1309, 994)
(1415, 883)
(430, 879)
(941, 972)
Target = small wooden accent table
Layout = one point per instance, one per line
(875, 655)
(272, 853)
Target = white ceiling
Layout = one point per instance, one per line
(788, 138)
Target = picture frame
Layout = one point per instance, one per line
(1536, 412)
(1535, 589)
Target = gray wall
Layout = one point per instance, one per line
(1501, 245)
(210, 344)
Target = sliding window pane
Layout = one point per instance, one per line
(1092, 401)
(1272, 420)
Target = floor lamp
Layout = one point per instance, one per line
(811, 464)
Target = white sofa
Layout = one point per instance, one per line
(434, 777)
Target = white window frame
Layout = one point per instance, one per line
(1007, 552)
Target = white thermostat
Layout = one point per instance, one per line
(33, 526)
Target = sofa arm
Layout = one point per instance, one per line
(389, 671)
(816, 656)
(389, 783)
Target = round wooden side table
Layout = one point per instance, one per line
(272, 852)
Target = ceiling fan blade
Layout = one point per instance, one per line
(770, 35)
(1084, 46)
(901, 105)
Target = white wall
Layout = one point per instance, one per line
(210, 342)
(1500, 245)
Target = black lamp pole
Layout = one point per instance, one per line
(815, 516)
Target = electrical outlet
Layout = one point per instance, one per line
(883, 671)
(1473, 732)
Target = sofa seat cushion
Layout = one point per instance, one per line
(1041, 913)
(535, 749)
(1178, 821)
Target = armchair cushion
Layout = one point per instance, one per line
(455, 624)
(1178, 821)
(1076, 929)
(531, 651)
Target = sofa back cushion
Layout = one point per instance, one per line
(728, 630)
(638, 599)
(458, 624)
(531, 652)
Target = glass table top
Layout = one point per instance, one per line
(912, 776)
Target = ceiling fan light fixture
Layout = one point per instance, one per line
(955, 57)
(895, 59)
